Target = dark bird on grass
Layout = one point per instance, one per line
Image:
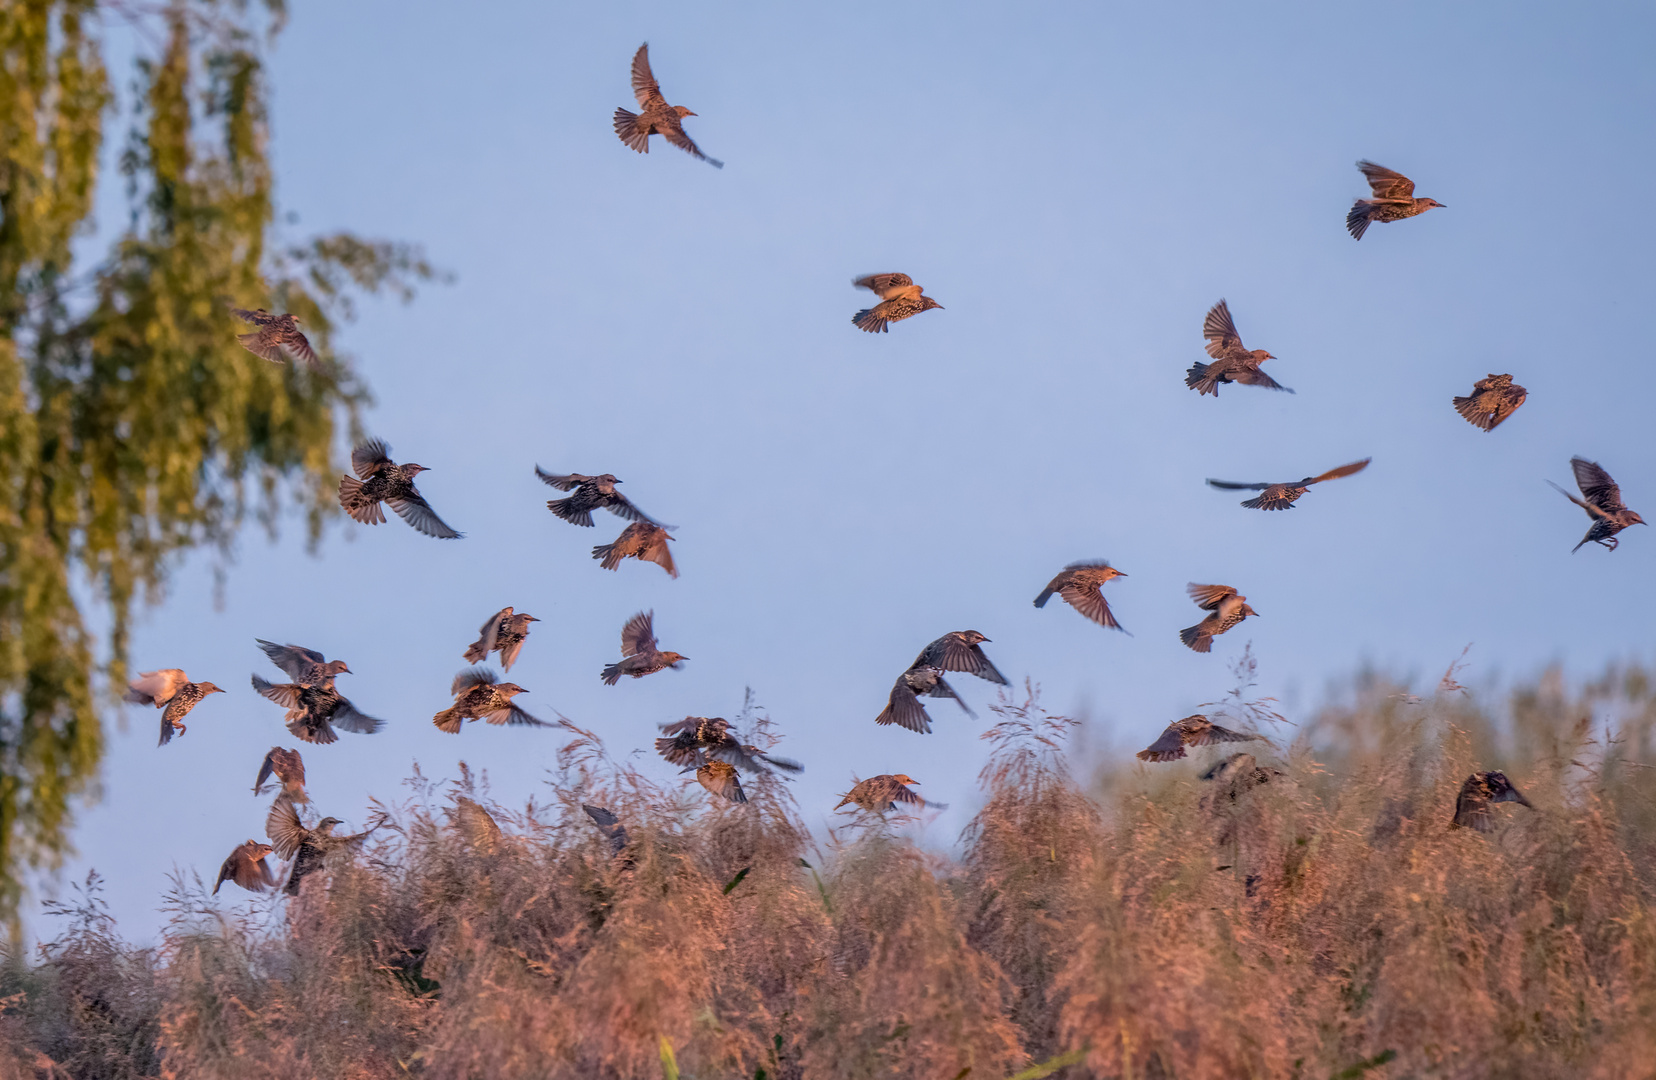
(1393, 200)
(475, 825)
(503, 633)
(1080, 585)
(1283, 496)
(308, 848)
(899, 297)
(639, 655)
(720, 778)
(289, 768)
(307, 667)
(1603, 502)
(881, 794)
(959, 650)
(642, 540)
(700, 738)
(171, 691)
(1229, 607)
(275, 335)
(246, 866)
(379, 480)
(1480, 790)
(656, 116)
(478, 696)
(314, 711)
(1231, 362)
(591, 493)
(609, 825)
(1491, 401)
(904, 708)
(1195, 730)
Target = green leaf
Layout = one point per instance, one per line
(1051, 1065)
(737, 880)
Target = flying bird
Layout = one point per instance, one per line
(1477, 794)
(1393, 200)
(698, 739)
(642, 540)
(246, 867)
(1231, 362)
(307, 667)
(275, 335)
(478, 696)
(1491, 401)
(289, 768)
(1080, 585)
(639, 655)
(904, 708)
(1603, 502)
(314, 711)
(959, 650)
(899, 297)
(378, 480)
(308, 848)
(880, 794)
(657, 117)
(171, 691)
(1228, 606)
(1283, 496)
(609, 825)
(475, 825)
(1195, 730)
(503, 633)
(591, 493)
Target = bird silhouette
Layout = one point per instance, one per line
(904, 708)
(1195, 730)
(899, 297)
(1228, 607)
(1477, 793)
(590, 493)
(1080, 585)
(246, 867)
(379, 480)
(1283, 496)
(308, 848)
(655, 117)
(609, 825)
(642, 540)
(1393, 200)
(503, 633)
(289, 768)
(880, 794)
(1492, 400)
(307, 667)
(959, 650)
(477, 695)
(171, 691)
(314, 711)
(1603, 502)
(1231, 362)
(639, 654)
(276, 334)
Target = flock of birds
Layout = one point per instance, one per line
(709, 747)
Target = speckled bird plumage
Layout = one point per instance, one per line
(904, 709)
(503, 633)
(171, 691)
(1601, 499)
(1232, 363)
(276, 334)
(1478, 793)
(314, 711)
(1080, 585)
(699, 739)
(880, 794)
(1228, 607)
(379, 480)
(246, 867)
(655, 116)
(642, 540)
(899, 296)
(1393, 200)
(590, 493)
(1282, 496)
(1492, 400)
(478, 695)
(640, 654)
(308, 848)
(1195, 730)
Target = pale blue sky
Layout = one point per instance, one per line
(1077, 184)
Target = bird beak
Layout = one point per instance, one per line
(687, 112)
(1525, 801)
(1120, 574)
(533, 619)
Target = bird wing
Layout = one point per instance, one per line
(298, 346)
(284, 829)
(674, 133)
(1250, 375)
(159, 686)
(1208, 597)
(1213, 733)
(284, 694)
(347, 717)
(1089, 601)
(475, 823)
(562, 483)
(368, 456)
(1169, 747)
(621, 507)
(645, 87)
(261, 317)
(638, 635)
(251, 874)
(266, 767)
(1596, 485)
(509, 654)
(720, 778)
(481, 675)
(288, 765)
(1385, 183)
(943, 690)
(677, 727)
(953, 654)
(293, 659)
(1234, 485)
(654, 549)
(489, 633)
(905, 710)
(418, 513)
(1343, 470)
(1220, 330)
(880, 284)
(515, 716)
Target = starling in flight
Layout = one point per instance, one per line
(503, 633)
(1081, 587)
(1393, 200)
(246, 866)
(959, 650)
(1603, 502)
(643, 540)
(696, 739)
(379, 479)
(171, 691)
(904, 708)
(1477, 793)
(639, 655)
(1231, 362)
(609, 825)
(720, 778)
(313, 711)
(1492, 400)
(289, 768)
(657, 117)
(1283, 496)
(308, 848)
(307, 667)
(1228, 606)
(1191, 731)
(275, 335)
(477, 695)
(591, 493)
(899, 297)
(880, 794)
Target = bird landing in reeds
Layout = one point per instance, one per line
(1282, 496)
(1232, 363)
(881, 794)
(246, 867)
(655, 116)
(1478, 793)
(1492, 400)
(1195, 730)
(904, 709)
(900, 298)
(1393, 200)
(1601, 498)
(1080, 585)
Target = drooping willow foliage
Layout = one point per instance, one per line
(133, 427)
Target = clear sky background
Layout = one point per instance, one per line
(1077, 184)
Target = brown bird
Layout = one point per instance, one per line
(1080, 585)
(719, 778)
(289, 768)
(697, 739)
(1229, 607)
(308, 848)
(478, 696)
(904, 708)
(1492, 400)
(1231, 362)
(475, 825)
(1602, 501)
(379, 479)
(881, 794)
(246, 866)
(171, 691)
(275, 335)
(609, 825)
(313, 711)
(1480, 790)
(307, 667)
(591, 493)
(639, 655)
(959, 650)
(899, 297)
(503, 633)
(643, 540)
(1191, 731)
(657, 117)
(1283, 496)
(1393, 200)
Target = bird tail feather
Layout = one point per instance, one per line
(251, 343)
(866, 320)
(611, 558)
(1193, 637)
(1198, 379)
(1468, 408)
(362, 510)
(612, 673)
(626, 127)
(448, 720)
(1357, 222)
(1046, 594)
